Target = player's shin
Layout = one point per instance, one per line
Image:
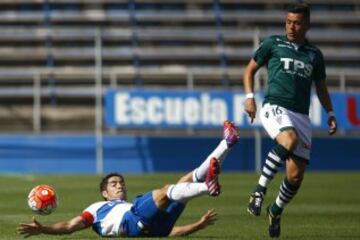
(184, 191)
(273, 162)
(219, 153)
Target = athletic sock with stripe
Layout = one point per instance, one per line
(273, 162)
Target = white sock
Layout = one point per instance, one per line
(219, 153)
(185, 191)
(270, 168)
(263, 181)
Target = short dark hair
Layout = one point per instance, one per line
(300, 7)
(104, 180)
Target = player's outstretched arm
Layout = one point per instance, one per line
(65, 227)
(207, 219)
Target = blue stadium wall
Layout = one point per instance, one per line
(52, 154)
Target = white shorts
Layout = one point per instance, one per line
(276, 119)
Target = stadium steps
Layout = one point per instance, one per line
(59, 34)
(177, 41)
(144, 17)
(73, 81)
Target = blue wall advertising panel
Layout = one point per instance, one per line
(174, 109)
(347, 109)
(55, 154)
(200, 109)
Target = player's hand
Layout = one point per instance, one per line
(29, 229)
(209, 218)
(250, 108)
(332, 125)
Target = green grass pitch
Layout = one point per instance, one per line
(327, 206)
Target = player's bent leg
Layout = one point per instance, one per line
(160, 197)
(186, 178)
(295, 170)
(289, 187)
(186, 190)
(230, 138)
(141, 217)
(274, 210)
(148, 210)
(183, 192)
(288, 138)
(167, 219)
(275, 159)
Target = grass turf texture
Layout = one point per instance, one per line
(327, 206)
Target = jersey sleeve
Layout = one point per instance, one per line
(89, 214)
(87, 217)
(319, 71)
(263, 53)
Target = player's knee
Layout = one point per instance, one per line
(166, 187)
(161, 193)
(163, 189)
(288, 140)
(160, 197)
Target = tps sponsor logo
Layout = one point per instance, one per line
(297, 66)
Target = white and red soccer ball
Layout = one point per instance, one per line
(42, 199)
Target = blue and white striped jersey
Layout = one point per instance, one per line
(106, 216)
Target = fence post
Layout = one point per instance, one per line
(135, 42)
(37, 104)
(190, 87)
(190, 79)
(342, 81)
(113, 85)
(257, 131)
(98, 103)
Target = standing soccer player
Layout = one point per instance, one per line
(293, 64)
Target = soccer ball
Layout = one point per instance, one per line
(42, 199)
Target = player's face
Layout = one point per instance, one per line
(296, 27)
(115, 189)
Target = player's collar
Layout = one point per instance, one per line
(296, 45)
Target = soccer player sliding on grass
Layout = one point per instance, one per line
(153, 214)
(293, 64)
